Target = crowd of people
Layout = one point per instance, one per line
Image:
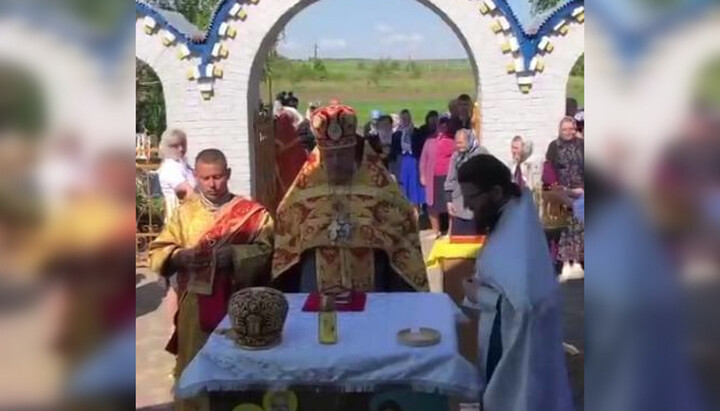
(424, 162)
(350, 219)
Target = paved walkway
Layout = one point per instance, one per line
(154, 365)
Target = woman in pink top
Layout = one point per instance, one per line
(434, 165)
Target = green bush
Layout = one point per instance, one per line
(578, 69)
(320, 72)
(414, 69)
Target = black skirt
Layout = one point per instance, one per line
(439, 200)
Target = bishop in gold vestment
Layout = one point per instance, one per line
(344, 222)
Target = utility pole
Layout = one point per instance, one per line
(315, 57)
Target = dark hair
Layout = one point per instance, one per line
(464, 97)
(385, 117)
(405, 111)
(211, 156)
(431, 113)
(485, 171)
(389, 405)
(443, 120)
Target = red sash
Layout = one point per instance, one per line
(239, 224)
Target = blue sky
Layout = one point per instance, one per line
(370, 29)
(378, 28)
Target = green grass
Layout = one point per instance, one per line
(707, 88)
(576, 90)
(429, 85)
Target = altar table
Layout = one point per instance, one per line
(366, 359)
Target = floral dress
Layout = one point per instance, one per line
(568, 160)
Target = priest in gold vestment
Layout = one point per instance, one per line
(217, 243)
(344, 223)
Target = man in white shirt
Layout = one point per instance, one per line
(177, 181)
(520, 332)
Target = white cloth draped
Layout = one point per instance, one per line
(366, 358)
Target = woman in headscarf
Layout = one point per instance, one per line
(523, 165)
(565, 170)
(407, 164)
(461, 218)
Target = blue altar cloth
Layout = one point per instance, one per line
(366, 358)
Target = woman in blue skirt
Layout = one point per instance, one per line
(406, 148)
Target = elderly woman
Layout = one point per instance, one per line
(565, 170)
(177, 180)
(525, 169)
(461, 218)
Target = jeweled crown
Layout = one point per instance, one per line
(334, 126)
(257, 316)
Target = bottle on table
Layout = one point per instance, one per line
(327, 320)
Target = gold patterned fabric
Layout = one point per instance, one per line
(252, 246)
(374, 212)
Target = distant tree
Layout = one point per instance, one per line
(414, 69)
(541, 6)
(578, 69)
(163, 4)
(149, 100)
(198, 12)
(361, 65)
(376, 73)
(22, 107)
(319, 70)
(394, 65)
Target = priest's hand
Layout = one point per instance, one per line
(182, 258)
(224, 257)
(191, 258)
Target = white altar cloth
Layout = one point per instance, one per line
(366, 358)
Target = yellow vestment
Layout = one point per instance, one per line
(252, 253)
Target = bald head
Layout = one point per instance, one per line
(212, 173)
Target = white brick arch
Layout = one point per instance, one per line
(225, 120)
(171, 72)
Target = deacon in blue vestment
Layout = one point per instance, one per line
(520, 332)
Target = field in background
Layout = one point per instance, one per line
(385, 85)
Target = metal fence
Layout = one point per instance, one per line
(149, 203)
